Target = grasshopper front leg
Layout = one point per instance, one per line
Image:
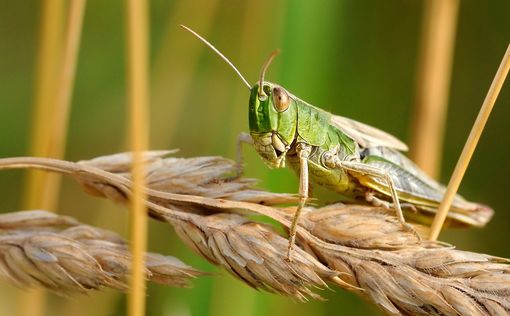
(303, 151)
(360, 168)
(243, 138)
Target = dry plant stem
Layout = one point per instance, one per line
(470, 145)
(137, 46)
(41, 249)
(65, 84)
(39, 188)
(66, 79)
(359, 248)
(433, 82)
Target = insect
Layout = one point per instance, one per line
(343, 155)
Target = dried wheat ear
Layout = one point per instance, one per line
(39, 248)
(359, 248)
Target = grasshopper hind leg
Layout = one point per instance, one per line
(370, 197)
(361, 169)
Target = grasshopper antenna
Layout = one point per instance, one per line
(264, 69)
(219, 53)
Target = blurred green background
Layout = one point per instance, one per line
(354, 58)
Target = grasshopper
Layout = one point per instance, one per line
(348, 157)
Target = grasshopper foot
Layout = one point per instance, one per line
(288, 257)
(239, 167)
(290, 249)
(410, 207)
(411, 229)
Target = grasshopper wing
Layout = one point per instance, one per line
(366, 136)
(415, 187)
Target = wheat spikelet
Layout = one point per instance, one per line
(39, 248)
(411, 276)
(254, 253)
(210, 176)
(359, 248)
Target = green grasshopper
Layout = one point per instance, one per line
(343, 155)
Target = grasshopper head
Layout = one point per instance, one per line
(273, 121)
(273, 113)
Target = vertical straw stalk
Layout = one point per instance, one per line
(50, 41)
(54, 88)
(470, 145)
(137, 46)
(66, 79)
(433, 83)
(65, 84)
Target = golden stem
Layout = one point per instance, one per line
(66, 78)
(41, 189)
(437, 46)
(47, 69)
(65, 86)
(137, 47)
(470, 145)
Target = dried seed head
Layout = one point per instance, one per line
(203, 176)
(352, 246)
(35, 218)
(403, 275)
(38, 248)
(254, 253)
(360, 227)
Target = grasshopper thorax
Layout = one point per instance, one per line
(273, 122)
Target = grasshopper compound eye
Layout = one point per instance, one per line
(281, 99)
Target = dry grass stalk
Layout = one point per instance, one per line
(65, 84)
(137, 39)
(41, 249)
(54, 85)
(41, 190)
(360, 248)
(433, 83)
(470, 146)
